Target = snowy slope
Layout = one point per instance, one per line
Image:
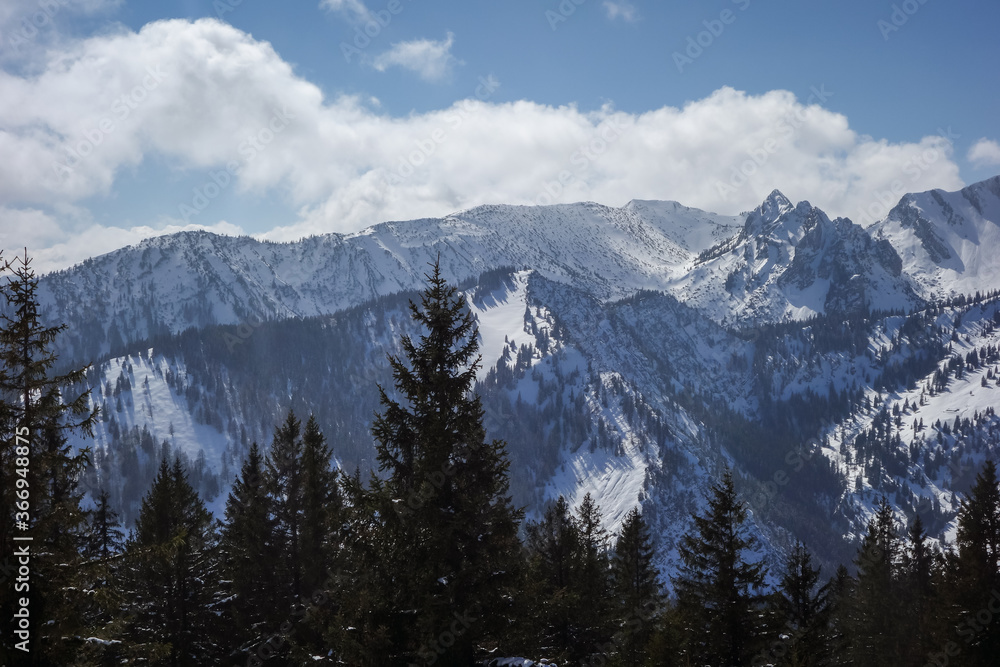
(792, 262)
(167, 284)
(947, 240)
(629, 353)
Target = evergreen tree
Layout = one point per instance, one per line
(103, 621)
(321, 508)
(803, 609)
(841, 599)
(283, 481)
(455, 523)
(636, 590)
(977, 568)
(248, 554)
(321, 534)
(39, 473)
(553, 546)
(105, 537)
(170, 576)
(920, 573)
(718, 591)
(875, 615)
(592, 580)
(365, 628)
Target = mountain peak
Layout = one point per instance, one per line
(769, 212)
(776, 201)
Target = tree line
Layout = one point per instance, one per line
(426, 561)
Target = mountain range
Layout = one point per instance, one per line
(631, 353)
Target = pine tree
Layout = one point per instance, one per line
(283, 481)
(37, 410)
(321, 508)
(553, 546)
(102, 551)
(593, 581)
(841, 599)
(977, 568)
(455, 522)
(718, 591)
(105, 537)
(636, 590)
(920, 573)
(875, 617)
(248, 554)
(321, 534)
(803, 609)
(170, 575)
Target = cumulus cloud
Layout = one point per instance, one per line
(431, 60)
(984, 153)
(621, 9)
(211, 100)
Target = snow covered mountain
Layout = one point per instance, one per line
(792, 262)
(627, 352)
(167, 284)
(947, 240)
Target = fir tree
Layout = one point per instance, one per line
(455, 523)
(321, 508)
(283, 480)
(841, 594)
(37, 410)
(977, 568)
(803, 610)
(102, 550)
(170, 575)
(920, 573)
(875, 615)
(553, 546)
(248, 555)
(718, 591)
(592, 580)
(636, 590)
(105, 537)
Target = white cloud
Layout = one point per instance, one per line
(56, 242)
(431, 60)
(27, 25)
(621, 9)
(212, 95)
(984, 153)
(354, 9)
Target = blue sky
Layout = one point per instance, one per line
(446, 105)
